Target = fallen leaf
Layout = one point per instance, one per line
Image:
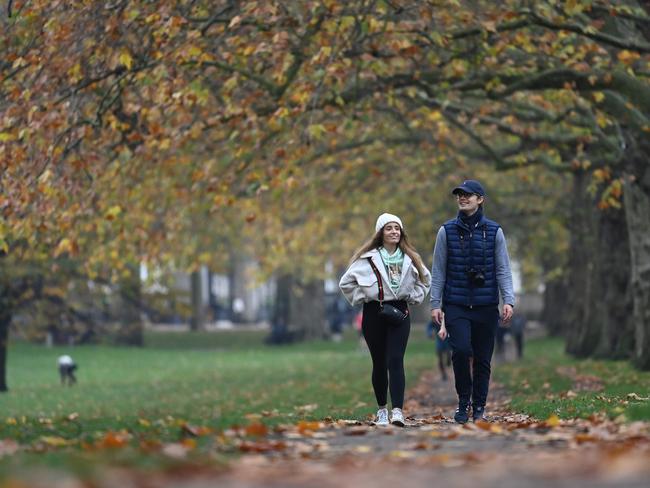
(304, 426)
(8, 447)
(114, 440)
(256, 429)
(262, 446)
(552, 421)
(55, 441)
(175, 450)
(635, 397)
(483, 425)
(307, 408)
(354, 431)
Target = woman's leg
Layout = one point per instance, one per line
(396, 347)
(374, 331)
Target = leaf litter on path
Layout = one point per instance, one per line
(511, 448)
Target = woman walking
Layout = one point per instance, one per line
(386, 274)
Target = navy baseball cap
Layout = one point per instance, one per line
(470, 186)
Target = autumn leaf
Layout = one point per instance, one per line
(552, 421)
(256, 429)
(113, 212)
(305, 426)
(113, 440)
(125, 59)
(55, 441)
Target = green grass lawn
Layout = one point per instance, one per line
(179, 378)
(213, 380)
(540, 386)
(218, 380)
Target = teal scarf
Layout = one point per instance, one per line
(393, 263)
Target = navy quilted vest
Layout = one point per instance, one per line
(466, 249)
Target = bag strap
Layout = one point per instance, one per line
(379, 283)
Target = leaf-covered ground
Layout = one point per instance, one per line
(304, 447)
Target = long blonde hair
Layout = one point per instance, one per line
(377, 241)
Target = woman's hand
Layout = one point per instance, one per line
(442, 333)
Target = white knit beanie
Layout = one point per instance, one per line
(384, 218)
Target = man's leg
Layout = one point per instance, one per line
(519, 341)
(483, 331)
(500, 342)
(458, 326)
(441, 366)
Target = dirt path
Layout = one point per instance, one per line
(510, 451)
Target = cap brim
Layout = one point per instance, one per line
(461, 188)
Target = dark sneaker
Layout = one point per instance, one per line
(462, 413)
(478, 413)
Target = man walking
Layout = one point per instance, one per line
(470, 267)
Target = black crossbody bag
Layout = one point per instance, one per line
(390, 313)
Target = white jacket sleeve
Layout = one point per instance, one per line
(420, 289)
(350, 288)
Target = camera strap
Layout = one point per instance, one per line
(379, 283)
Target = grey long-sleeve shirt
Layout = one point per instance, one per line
(439, 269)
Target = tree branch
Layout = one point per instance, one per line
(594, 35)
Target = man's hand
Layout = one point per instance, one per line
(436, 315)
(507, 314)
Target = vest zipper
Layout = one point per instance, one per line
(471, 265)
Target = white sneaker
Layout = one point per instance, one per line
(397, 417)
(382, 417)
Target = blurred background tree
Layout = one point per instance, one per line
(174, 134)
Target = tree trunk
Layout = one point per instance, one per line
(237, 276)
(129, 331)
(582, 336)
(5, 320)
(196, 321)
(637, 211)
(555, 306)
(612, 300)
(281, 316)
(308, 309)
(299, 311)
(598, 276)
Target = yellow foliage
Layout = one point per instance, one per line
(126, 59)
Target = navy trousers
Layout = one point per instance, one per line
(471, 335)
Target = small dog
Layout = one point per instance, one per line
(67, 367)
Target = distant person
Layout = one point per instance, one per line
(470, 267)
(500, 342)
(443, 349)
(516, 330)
(337, 315)
(358, 322)
(386, 274)
(67, 367)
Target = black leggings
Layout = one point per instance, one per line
(387, 345)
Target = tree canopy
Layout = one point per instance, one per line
(164, 132)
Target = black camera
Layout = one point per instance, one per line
(476, 277)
